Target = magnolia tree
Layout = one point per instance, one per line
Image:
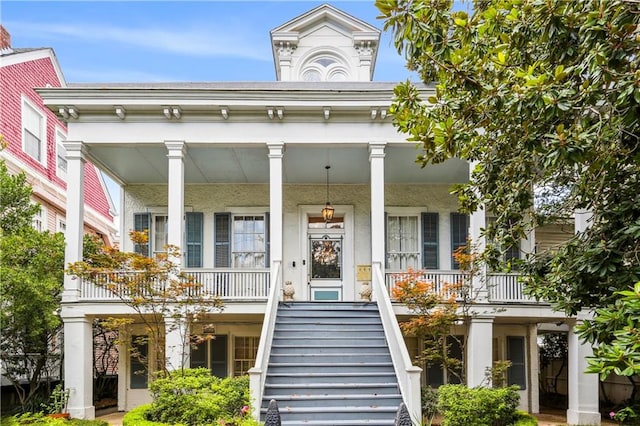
(165, 300)
(543, 98)
(31, 273)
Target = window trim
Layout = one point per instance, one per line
(61, 224)
(60, 137)
(419, 213)
(40, 217)
(27, 103)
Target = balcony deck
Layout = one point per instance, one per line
(253, 285)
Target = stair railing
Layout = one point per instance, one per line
(258, 373)
(408, 374)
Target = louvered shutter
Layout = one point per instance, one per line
(430, 240)
(222, 240)
(459, 232)
(193, 232)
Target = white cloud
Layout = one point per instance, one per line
(209, 42)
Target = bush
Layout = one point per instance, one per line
(136, 417)
(429, 403)
(525, 419)
(40, 419)
(463, 406)
(195, 397)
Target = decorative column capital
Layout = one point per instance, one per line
(175, 148)
(376, 150)
(276, 149)
(75, 150)
(285, 48)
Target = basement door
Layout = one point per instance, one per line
(326, 258)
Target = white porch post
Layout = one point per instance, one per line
(176, 342)
(376, 160)
(534, 369)
(177, 354)
(175, 197)
(479, 350)
(477, 221)
(276, 153)
(583, 387)
(74, 216)
(78, 363)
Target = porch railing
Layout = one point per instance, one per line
(228, 284)
(501, 287)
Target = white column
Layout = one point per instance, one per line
(78, 363)
(583, 387)
(74, 216)
(177, 354)
(276, 153)
(534, 370)
(479, 350)
(477, 221)
(175, 200)
(376, 160)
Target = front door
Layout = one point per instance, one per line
(326, 258)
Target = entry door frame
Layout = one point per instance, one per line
(348, 244)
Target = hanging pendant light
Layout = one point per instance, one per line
(328, 210)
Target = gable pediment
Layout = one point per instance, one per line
(341, 38)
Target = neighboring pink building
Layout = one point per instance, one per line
(34, 139)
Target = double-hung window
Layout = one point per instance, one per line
(412, 241)
(61, 156)
(39, 221)
(241, 240)
(34, 134)
(157, 226)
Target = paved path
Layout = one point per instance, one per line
(544, 419)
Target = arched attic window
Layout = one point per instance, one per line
(324, 67)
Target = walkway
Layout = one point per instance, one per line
(544, 419)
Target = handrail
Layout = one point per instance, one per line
(258, 373)
(408, 374)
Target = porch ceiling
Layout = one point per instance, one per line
(302, 164)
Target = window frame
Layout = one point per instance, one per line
(419, 213)
(40, 219)
(42, 137)
(233, 243)
(60, 138)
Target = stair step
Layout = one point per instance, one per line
(336, 349)
(307, 377)
(328, 358)
(288, 401)
(337, 413)
(329, 388)
(315, 334)
(322, 341)
(366, 422)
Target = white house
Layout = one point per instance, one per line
(237, 174)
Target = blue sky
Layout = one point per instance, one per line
(151, 41)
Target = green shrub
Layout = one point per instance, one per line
(525, 419)
(463, 406)
(136, 417)
(40, 419)
(195, 397)
(429, 397)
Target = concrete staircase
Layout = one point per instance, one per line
(330, 365)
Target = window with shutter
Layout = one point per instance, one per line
(142, 222)
(222, 240)
(193, 231)
(430, 240)
(403, 249)
(459, 232)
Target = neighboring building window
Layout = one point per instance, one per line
(61, 225)
(459, 232)
(34, 133)
(61, 156)
(403, 251)
(516, 373)
(138, 361)
(244, 357)
(39, 221)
